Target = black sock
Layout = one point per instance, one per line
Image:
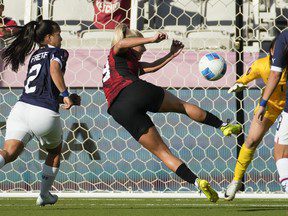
(212, 120)
(186, 174)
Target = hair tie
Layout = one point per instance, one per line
(36, 25)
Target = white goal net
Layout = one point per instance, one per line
(98, 154)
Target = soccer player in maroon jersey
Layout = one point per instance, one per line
(129, 98)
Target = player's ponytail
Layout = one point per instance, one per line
(119, 33)
(25, 41)
(122, 31)
(16, 52)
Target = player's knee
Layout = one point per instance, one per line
(280, 151)
(9, 156)
(180, 107)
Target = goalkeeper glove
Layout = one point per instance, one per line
(237, 87)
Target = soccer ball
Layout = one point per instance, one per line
(212, 66)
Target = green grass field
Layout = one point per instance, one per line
(145, 207)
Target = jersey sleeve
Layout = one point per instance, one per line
(61, 56)
(251, 74)
(279, 61)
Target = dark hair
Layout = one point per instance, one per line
(270, 49)
(25, 39)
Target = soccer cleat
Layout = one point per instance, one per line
(46, 200)
(231, 129)
(209, 192)
(285, 185)
(232, 189)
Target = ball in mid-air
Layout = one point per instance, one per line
(212, 66)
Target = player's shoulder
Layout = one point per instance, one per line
(283, 37)
(285, 32)
(59, 52)
(262, 61)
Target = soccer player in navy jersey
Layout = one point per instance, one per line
(279, 63)
(37, 111)
(129, 98)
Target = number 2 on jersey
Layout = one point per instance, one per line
(31, 89)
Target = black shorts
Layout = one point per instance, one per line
(130, 107)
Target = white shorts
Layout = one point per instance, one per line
(26, 120)
(281, 136)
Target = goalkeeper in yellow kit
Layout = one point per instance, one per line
(259, 69)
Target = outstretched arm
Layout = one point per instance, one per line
(175, 50)
(254, 72)
(126, 43)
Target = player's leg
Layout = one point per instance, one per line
(152, 141)
(281, 158)
(49, 173)
(17, 134)
(171, 103)
(11, 150)
(256, 132)
(129, 110)
(281, 150)
(46, 125)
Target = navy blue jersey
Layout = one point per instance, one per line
(279, 60)
(39, 88)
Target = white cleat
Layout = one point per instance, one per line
(285, 185)
(232, 189)
(46, 200)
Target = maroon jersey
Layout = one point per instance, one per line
(120, 71)
(109, 13)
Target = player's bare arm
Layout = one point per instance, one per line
(175, 50)
(58, 79)
(126, 43)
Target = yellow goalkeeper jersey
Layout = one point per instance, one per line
(261, 69)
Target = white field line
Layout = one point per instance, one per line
(142, 195)
(220, 205)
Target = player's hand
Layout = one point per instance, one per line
(260, 113)
(76, 99)
(237, 87)
(160, 36)
(68, 103)
(176, 47)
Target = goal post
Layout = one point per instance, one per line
(99, 157)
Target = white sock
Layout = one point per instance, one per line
(282, 167)
(224, 124)
(48, 176)
(2, 161)
(196, 184)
